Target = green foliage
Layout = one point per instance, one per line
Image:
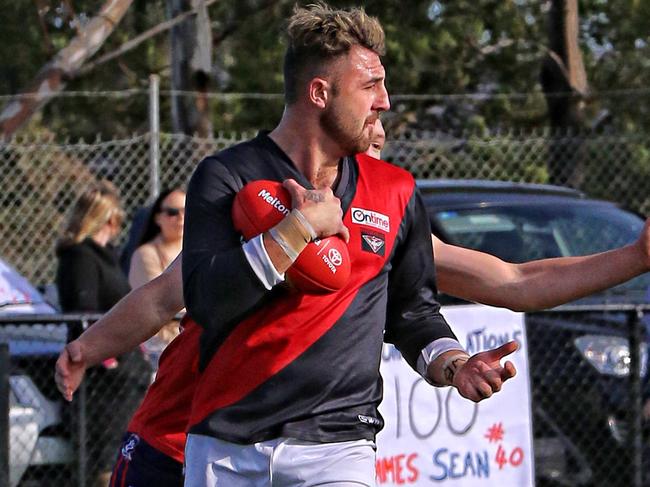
(22, 49)
(450, 47)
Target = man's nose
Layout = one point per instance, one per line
(382, 102)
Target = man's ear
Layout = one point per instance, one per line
(319, 92)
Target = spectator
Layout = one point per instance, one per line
(88, 276)
(158, 246)
(89, 279)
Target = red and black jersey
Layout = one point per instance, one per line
(161, 419)
(281, 363)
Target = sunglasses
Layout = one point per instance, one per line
(171, 211)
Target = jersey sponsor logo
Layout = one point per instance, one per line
(129, 446)
(373, 242)
(274, 201)
(370, 218)
(369, 420)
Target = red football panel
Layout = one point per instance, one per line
(242, 221)
(323, 266)
(258, 206)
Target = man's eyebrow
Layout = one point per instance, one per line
(373, 80)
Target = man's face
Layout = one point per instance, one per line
(358, 95)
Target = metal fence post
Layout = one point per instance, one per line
(4, 414)
(635, 329)
(154, 131)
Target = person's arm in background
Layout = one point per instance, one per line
(134, 319)
(484, 278)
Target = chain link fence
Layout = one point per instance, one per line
(40, 179)
(52, 442)
(590, 424)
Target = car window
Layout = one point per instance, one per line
(540, 230)
(519, 233)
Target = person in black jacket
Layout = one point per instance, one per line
(90, 280)
(88, 275)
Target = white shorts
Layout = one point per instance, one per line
(282, 462)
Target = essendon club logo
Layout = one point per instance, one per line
(373, 242)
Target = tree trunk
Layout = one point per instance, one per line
(564, 81)
(191, 60)
(52, 78)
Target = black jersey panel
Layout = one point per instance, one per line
(413, 314)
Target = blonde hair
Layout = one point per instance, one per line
(94, 208)
(318, 33)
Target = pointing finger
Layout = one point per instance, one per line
(502, 351)
(292, 186)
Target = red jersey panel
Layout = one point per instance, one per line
(162, 417)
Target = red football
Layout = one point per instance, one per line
(323, 266)
(258, 206)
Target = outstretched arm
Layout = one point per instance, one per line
(484, 278)
(134, 319)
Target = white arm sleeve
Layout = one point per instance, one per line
(261, 263)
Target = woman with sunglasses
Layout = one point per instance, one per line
(160, 243)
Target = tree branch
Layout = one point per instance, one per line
(53, 76)
(136, 41)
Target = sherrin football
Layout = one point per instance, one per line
(258, 206)
(323, 266)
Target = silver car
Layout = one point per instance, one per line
(33, 417)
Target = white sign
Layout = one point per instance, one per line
(433, 436)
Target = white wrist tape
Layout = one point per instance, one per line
(286, 247)
(301, 218)
(292, 235)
